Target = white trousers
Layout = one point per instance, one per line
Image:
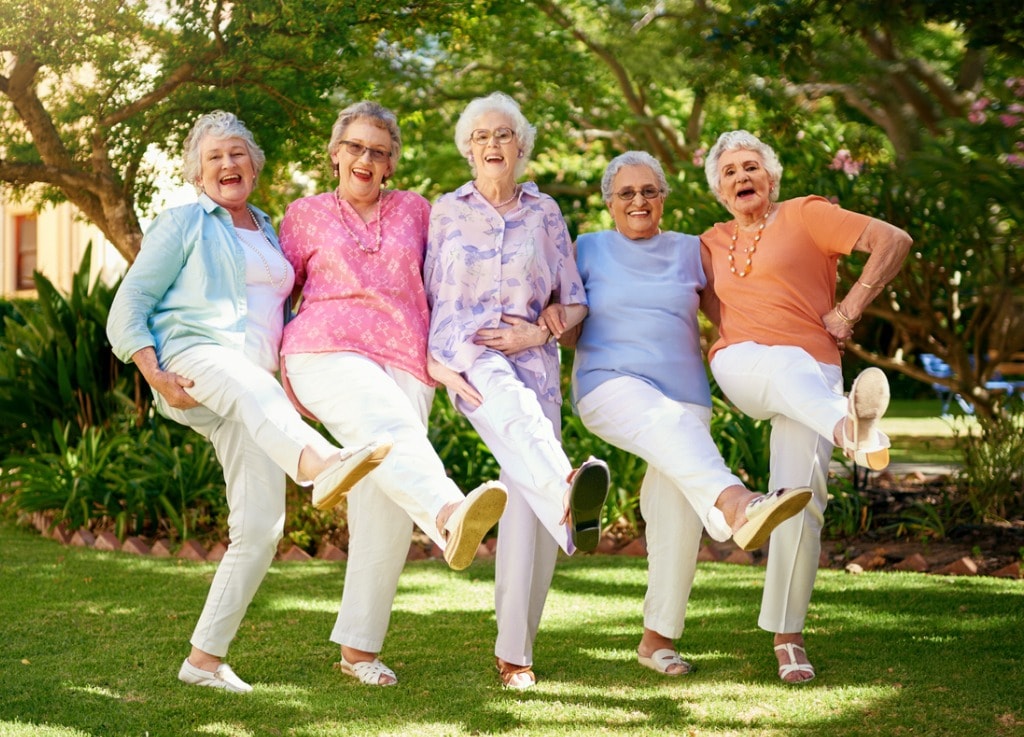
(804, 400)
(524, 433)
(685, 476)
(258, 437)
(357, 399)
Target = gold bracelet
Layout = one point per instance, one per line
(869, 286)
(844, 318)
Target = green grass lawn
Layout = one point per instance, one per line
(92, 642)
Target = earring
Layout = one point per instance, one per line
(520, 154)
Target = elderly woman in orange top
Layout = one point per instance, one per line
(772, 269)
(355, 358)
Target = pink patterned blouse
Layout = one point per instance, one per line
(353, 300)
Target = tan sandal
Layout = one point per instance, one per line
(518, 677)
(866, 445)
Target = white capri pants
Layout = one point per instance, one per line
(524, 434)
(258, 437)
(804, 400)
(358, 399)
(685, 477)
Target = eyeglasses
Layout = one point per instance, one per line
(500, 135)
(648, 193)
(377, 156)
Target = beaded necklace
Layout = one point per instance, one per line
(749, 250)
(259, 252)
(515, 195)
(341, 216)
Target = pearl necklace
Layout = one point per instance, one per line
(516, 191)
(749, 250)
(341, 216)
(266, 264)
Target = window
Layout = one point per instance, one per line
(26, 244)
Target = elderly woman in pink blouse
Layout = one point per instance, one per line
(498, 254)
(355, 359)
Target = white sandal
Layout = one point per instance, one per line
(868, 400)
(792, 666)
(368, 671)
(663, 659)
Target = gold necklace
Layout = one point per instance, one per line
(749, 250)
(341, 216)
(259, 252)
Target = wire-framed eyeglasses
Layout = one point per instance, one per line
(501, 136)
(356, 149)
(648, 193)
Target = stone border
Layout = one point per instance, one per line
(872, 560)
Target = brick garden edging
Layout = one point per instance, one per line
(871, 560)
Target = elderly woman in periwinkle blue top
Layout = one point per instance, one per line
(200, 313)
(639, 383)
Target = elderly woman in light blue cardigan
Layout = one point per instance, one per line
(639, 383)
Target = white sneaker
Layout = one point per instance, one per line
(223, 677)
(331, 485)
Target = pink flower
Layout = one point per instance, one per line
(845, 162)
(1010, 121)
(976, 117)
(698, 156)
(1016, 160)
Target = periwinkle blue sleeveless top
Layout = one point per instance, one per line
(642, 322)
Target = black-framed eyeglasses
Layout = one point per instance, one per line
(648, 193)
(377, 155)
(501, 135)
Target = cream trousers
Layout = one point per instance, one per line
(357, 400)
(804, 400)
(258, 437)
(524, 433)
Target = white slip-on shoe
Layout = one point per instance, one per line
(471, 520)
(867, 446)
(767, 512)
(331, 485)
(368, 671)
(223, 677)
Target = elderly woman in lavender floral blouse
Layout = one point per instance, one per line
(498, 253)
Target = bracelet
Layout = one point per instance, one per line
(844, 318)
(869, 286)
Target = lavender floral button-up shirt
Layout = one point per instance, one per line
(480, 265)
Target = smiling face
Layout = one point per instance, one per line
(744, 184)
(360, 177)
(493, 160)
(226, 174)
(636, 218)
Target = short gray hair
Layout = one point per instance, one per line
(632, 158)
(218, 124)
(496, 102)
(735, 141)
(375, 114)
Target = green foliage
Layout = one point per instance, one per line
(56, 362)
(847, 514)
(744, 443)
(74, 441)
(991, 478)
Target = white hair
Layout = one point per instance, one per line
(496, 102)
(632, 158)
(741, 140)
(217, 124)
